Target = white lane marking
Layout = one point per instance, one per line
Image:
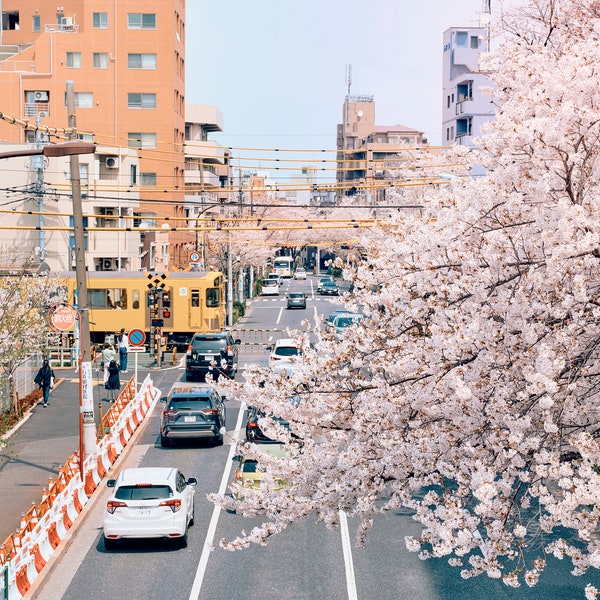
(349, 565)
(212, 527)
(279, 316)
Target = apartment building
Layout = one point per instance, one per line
(370, 156)
(466, 107)
(126, 60)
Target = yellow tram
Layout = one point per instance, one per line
(179, 303)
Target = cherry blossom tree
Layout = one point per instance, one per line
(470, 393)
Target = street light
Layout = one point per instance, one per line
(72, 148)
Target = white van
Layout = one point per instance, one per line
(270, 287)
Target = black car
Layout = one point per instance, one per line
(211, 353)
(296, 300)
(254, 432)
(192, 412)
(330, 288)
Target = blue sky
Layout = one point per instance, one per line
(277, 68)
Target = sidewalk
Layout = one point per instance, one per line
(36, 449)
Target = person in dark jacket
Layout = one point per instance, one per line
(113, 384)
(45, 379)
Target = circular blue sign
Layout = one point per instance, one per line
(137, 337)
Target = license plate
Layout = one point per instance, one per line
(144, 512)
(210, 357)
(191, 419)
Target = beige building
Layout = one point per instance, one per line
(368, 154)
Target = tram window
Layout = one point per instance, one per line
(107, 298)
(136, 299)
(195, 298)
(213, 297)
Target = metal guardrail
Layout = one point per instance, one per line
(257, 337)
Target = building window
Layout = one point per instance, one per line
(461, 39)
(100, 60)
(133, 174)
(135, 100)
(73, 60)
(36, 22)
(139, 139)
(148, 179)
(141, 21)
(141, 61)
(474, 42)
(83, 99)
(448, 105)
(100, 20)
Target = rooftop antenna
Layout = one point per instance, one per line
(486, 19)
(348, 77)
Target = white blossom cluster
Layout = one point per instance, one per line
(471, 392)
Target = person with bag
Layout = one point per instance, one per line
(108, 355)
(123, 343)
(45, 380)
(112, 383)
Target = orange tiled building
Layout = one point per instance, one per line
(126, 60)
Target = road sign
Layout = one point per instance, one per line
(137, 349)
(63, 317)
(194, 257)
(136, 337)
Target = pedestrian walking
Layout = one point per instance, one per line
(45, 379)
(108, 355)
(123, 343)
(113, 385)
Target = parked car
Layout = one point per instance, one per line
(296, 300)
(322, 281)
(192, 411)
(211, 353)
(149, 502)
(285, 349)
(330, 288)
(270, 287)
(300, 273)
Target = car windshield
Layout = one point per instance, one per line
(208, 345)
(249, 466)
(286, 351)
(143, 492)
(268, 282)
(329, 284)
(189, 404)
(296, 295)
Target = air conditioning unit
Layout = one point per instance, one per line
(112, 162)
(109, 212)
(43, 113)
(108, 264)
(40, 96)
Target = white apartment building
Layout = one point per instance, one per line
(466, 107)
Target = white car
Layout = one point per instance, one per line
(284, 350)
(300, 274)
(270, 287)
(149, 502)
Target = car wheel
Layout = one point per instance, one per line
(165, 442)
(109, 543)
(182, 542)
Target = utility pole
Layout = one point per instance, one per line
(86, 423)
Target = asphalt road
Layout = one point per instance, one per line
(306, 562)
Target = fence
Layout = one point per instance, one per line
(22, 377)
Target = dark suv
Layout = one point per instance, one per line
(192, 411)
(211, 353)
